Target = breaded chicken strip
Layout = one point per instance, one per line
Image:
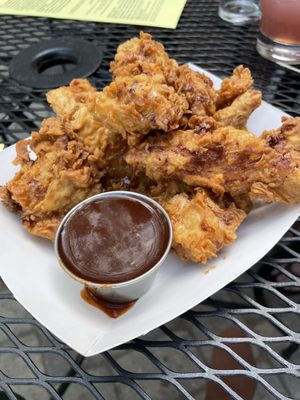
(235, 85)
(285, 138)
(197, 89)
(239, 111)
(200, 227)
(286, 141)
(56, 172)
(75, 104)
(226, 160)
(143, 55)
(133, 106)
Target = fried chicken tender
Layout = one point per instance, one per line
(56, 173)
(200, 227)
(238, 113)
(226, 160)
(75, 103)
(197, 89)
(133, 106)
(143, 55)
(285, 138)
(286, 141)
(235, 85)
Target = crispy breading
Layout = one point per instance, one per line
(143, 55)
(225, 160)
(200, 227)
(197, 89)
(286, 137)
(235, 85)
(75, 103)
(202, 124)
(56, 173)
(133, 106)
(286, 141)
(239, 111)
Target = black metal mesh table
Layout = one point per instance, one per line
(174, 361)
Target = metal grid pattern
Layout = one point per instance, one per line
(174, 361)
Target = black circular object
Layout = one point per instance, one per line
(55, 62)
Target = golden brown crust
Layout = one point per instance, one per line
(56, 172)
(197, 89)
(133, 106)
(143, 55)
(75, 104)
(235, 85)
(225, 160)
(200, 227)
(239, 111)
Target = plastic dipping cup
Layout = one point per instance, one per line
(279, 36)
(239, 12)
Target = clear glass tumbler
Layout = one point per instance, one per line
(239, 12)
(279, 36)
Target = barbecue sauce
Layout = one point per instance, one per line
(113, 239)
(113, 310)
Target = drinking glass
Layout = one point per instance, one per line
(239, 12)
(279, 36)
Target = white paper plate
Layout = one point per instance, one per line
(29, 268)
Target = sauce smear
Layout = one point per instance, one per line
(113, 239)
(113, 310)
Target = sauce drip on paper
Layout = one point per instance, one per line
(113, 310)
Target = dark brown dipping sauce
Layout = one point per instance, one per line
(113, 310)
(113, 239)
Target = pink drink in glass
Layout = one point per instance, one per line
(280, 20)
(279, 36)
